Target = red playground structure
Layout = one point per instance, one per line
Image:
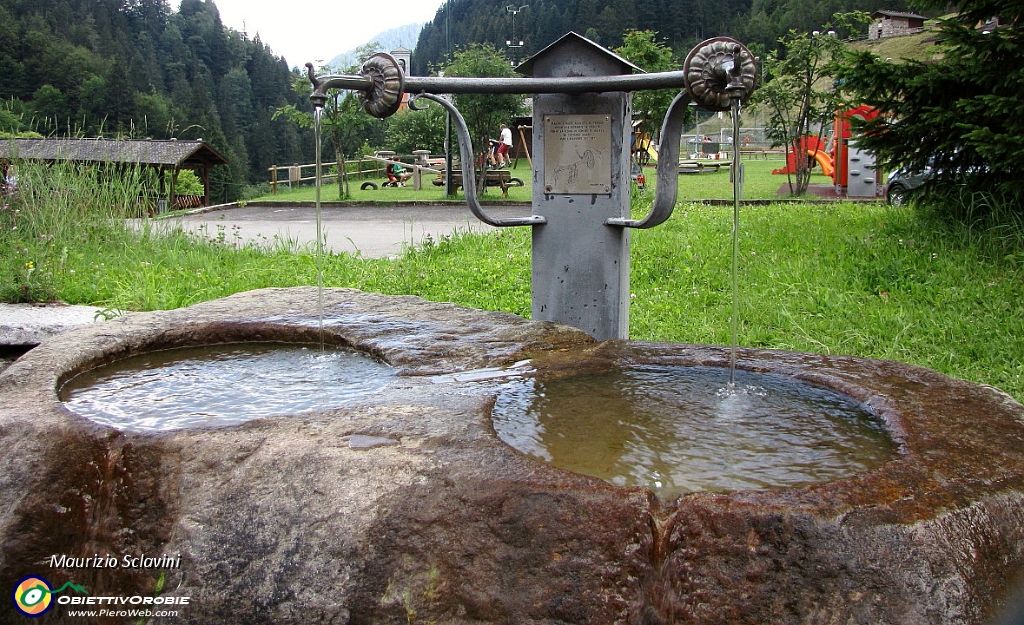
(837, 159)
(810, 148)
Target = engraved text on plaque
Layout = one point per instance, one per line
(577, 154)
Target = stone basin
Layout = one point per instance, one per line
(406, 507)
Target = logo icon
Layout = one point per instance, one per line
(33, 595)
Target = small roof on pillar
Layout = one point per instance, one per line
(569, 41)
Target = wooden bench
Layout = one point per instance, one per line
(700, 167)
(495, 178)
(764, 153)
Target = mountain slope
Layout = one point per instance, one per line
(404, 36)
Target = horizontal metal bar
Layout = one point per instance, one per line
(573, 84)
(570, 85)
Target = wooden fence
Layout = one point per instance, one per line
(296, 175)
(364, 167)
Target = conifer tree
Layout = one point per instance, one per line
(962, 114)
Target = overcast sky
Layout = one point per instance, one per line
(319, 30)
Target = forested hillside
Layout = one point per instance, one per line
(405, 36)
(679, 23)
(134, 68)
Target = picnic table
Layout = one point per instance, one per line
(764, 153)
(701, 167)
(417, 168)
(495, 178)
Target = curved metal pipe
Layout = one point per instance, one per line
(468, 172)
(668, 169)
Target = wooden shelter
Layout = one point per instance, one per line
(894, 24)
(171, 155)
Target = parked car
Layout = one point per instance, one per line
(902, 182)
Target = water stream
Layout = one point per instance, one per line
(736, 171)
(317, 137)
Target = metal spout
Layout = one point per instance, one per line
(736, 89)
(720, 73)
(319, 95)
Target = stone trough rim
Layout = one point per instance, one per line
(137, 339)
(862, 517)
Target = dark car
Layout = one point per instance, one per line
(902, 182)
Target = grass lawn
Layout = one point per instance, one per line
(836, 278)
(760, 184)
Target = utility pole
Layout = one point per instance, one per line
(449, 191)
(513, 43)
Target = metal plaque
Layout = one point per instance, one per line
(578, 154)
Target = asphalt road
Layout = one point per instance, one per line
(371, 232)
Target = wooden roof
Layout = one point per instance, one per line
(884, 13)
(170, 153)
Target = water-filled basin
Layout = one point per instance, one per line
(221, 385)
(683, 429)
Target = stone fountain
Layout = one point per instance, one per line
(406, 507)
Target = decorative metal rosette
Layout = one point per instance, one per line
(384, 97)
(709, 77)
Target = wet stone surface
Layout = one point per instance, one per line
(405, 506)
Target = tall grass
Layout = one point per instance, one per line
(990, 218)
(864, 280)
(50, 213)
(859, 279)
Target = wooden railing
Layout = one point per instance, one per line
(296, 175)
(189, 201)
(365, 167)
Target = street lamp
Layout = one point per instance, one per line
(448, 188)
(512, 43)
(697, 138)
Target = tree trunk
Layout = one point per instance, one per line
(481, 178)
(339, 157)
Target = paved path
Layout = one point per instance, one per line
(372, 232)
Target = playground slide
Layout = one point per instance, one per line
(823, 159)
(825, 162)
